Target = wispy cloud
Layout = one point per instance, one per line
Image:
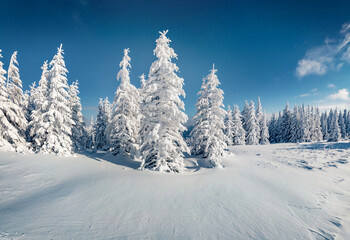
(304, 95)
(330, 56)
(312, 92)
(331, 85)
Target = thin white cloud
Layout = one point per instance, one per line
(330, 56)
(342, 94)
(312, 92)
(331, 85)
(304, 95)
(306, 67)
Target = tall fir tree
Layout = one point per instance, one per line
(334, 130)
(296, 126)
(318, 136)
(163, 122)
(250, 124)
(229, 125)
(53, 133)
(264, 131)
(262, 124)
(78, 129)
(272, 129)
(90, 135)
(324, 126)
(208, 133)
(259, 117)
(12, 112)
(348, 124)
(39, 97)
(342, 125)
(16, 97)
(125, 120)
(286, 126)
(103, 120)
(237, 130)
(6, 128)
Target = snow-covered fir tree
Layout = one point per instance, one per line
(317, 135)
(78, 129)
(103, 120)
(334, 129)
(286, 126)
(329, 120)
(237, 129)
(245, 113)
(324, 126)
(30, 97)
(53, 132)
(264, 131)
(348, 124)
(12, 116)
(296, 126)
(259, 117)
(250, 124)
(262, 124)
(39, 97)
(163, 122)
(125, 120)
(208, 136)
(90, 134)
(17, 115)
(272, 129)
(342, 125)
(229, 126)
(6, 129)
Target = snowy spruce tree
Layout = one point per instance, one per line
(272, 129)
(318, 136)
(334, 129)
(264, 131)
(78, 131)
(324, 126)
(286, 126)
(125, 120)
(238, 131)
(262, 124)
(12, 112)
(348, 124)
(208, 136)
(162, 144)
(39, 97)
(250, 124)
(90, 135)
(296, 126)
(342, 125)
(52, 133)
(229, 126)
(102, 122)
(6, 128)
(259, 117)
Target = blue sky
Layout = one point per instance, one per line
(282, 51)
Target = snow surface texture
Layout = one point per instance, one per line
(278, 191)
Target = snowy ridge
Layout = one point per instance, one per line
(263, 192)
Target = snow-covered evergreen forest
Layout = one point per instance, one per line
(147, 124)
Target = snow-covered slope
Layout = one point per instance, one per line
(280, 191)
